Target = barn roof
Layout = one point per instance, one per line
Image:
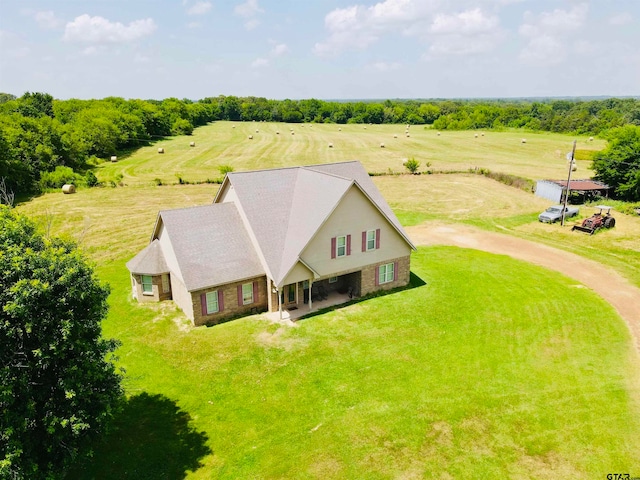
(581, 185)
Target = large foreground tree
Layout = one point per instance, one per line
(618, 165)
(58, 387)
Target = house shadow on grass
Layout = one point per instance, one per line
(414, 282)
(151, 438)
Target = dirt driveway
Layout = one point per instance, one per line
(606, 282)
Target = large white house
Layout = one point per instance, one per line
(274, 240)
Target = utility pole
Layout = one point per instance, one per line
(566, 196)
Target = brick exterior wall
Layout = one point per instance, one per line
(158, 293)
(231, 307)
(368, 279)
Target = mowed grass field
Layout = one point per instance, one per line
(228, 143)
(488, 368)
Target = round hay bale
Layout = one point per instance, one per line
(382, 145)
(591, 139)
(293, 133)
(524, 140)
(331, 145)
(365, 127)
(476, 135)
(160, 150)
(114, 158)
(438, 133)
(233, 126)
(408, 135)
(68, 188)
(256, 131)
(277, 132)
(250, 137)
(482, 134)
(339, 129)
(395, 136)
(192, 144)
(574, 167)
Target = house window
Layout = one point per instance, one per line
(371, 240)
(385, 273)
(341, 246)
(305, 284)
(247, 293)
(147, 284)
(333, 279)
(165, 283)
(292, 293)
(212, 302)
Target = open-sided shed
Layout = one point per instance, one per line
(554, 189)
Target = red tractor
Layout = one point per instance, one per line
(601, 219)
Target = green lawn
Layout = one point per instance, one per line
(487, 371)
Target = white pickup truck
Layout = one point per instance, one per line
(553, 214)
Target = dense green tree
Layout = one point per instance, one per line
(619, 164)
(58, 387)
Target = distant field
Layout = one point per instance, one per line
(227, 143)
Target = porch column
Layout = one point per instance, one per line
(269, 295)
(310, 301)
(279, 302)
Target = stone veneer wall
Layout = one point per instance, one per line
(368, 278)
(231, 307)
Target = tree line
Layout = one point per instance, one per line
(39, 133)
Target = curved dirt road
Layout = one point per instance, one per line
(606, 282)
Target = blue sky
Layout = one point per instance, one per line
(326, 49)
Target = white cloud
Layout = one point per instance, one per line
(356, 27)
(47, 20)
(468, 22)
(251, 24)
(87, 29)
(279, 49)
(249, 11)
(464, 33)
(199, 8)
(621, 19)
(549, 34)
(385, 66)
(194, 25)
(260, 62)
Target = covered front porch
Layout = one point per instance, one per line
(301, 298)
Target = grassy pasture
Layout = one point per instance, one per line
(543, 156)
(489, 370)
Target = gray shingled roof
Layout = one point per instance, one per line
(211, 245)
(285, 207)
(149, 261)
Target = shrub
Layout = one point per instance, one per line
(412, 165)
(90, 179)
(59, 177)
(224, 169)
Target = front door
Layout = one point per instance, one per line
(289, 294)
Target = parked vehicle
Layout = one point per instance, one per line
(553, 214)
(601, 219)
